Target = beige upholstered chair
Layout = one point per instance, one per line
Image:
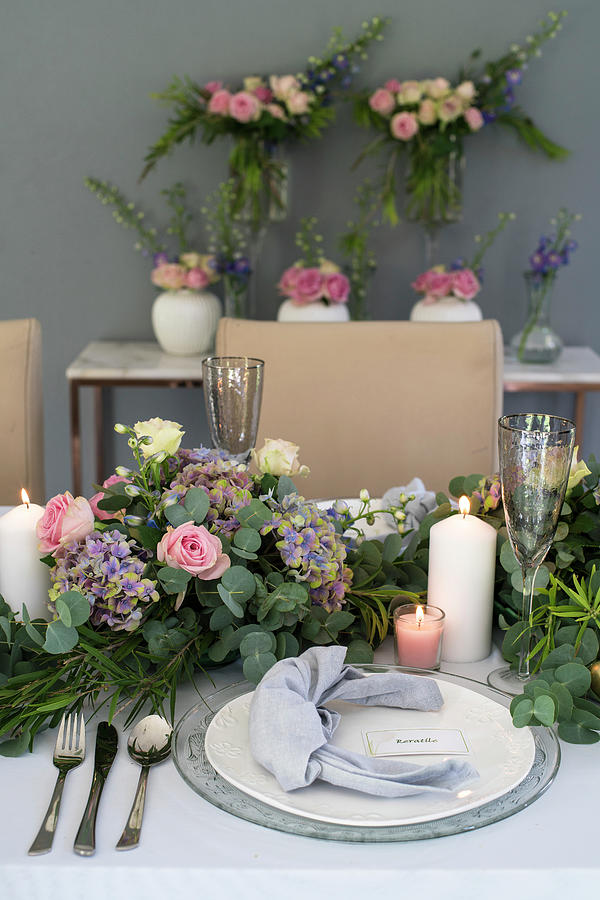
(372, 404)
(21, 415)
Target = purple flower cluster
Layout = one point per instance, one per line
(107, 569)
(512, 77)
(551, 254)
(226, 483)
(238, 267)
(310, 544)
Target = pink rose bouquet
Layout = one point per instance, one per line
(194, 271)
(313, 278)
(260, 114)
(430, 120)
(461, 279)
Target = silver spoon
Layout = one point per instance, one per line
(148, 743)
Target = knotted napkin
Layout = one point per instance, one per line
(290, 728)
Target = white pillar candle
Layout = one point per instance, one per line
(462, 564)
(24, 579)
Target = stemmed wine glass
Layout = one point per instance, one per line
(233, 394)
(535, 459)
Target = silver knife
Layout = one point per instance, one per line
(106, 750)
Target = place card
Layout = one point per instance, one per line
(413, 741)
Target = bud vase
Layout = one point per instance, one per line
(235, 297)
(538, 342)
(185, 322)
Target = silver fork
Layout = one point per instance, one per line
(69, 751)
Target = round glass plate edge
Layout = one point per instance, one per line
(194, 768)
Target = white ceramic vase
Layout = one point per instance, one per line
(446, 309)
(185, 322)
(312, 312)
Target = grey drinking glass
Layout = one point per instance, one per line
(233, 394)
(535, 453)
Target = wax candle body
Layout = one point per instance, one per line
(23, 578)
(418, 632)
(417, 644)
(462, 564)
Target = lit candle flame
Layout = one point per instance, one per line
(25, 497)
(420, 616)
(464, 505)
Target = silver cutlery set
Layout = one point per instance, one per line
(149, 743)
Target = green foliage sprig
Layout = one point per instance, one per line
(354, 243)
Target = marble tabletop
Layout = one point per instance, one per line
(575, 365)
(139, 360)
(133, 361)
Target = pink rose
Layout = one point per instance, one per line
(382, 102)
(309, 286)
(337, 287)
(437, 87)
(450, 109)
(219, 102)
(263, 94)
(276, 111)
(473, 118)
(288, 281)
(465, 284)
(194, 549)
(244, 107)
(404, 126)
(103, 514)
(439, 284)
(196, 279)
(169, 277)
(393, 85)
(66, 518)
(427, 114)
(421, 282)
(298, 103)
(213, 86)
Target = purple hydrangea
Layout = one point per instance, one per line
(107, 569)
(310, 545)
(225, 481)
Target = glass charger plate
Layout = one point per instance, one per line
(195, 768)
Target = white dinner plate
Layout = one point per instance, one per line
(501, 753)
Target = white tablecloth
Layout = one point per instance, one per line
(191, 849)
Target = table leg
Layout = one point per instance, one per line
(75, 436)
(98, 433)
(579, 415)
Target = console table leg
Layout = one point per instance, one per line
(75, 436)
(98, 433)
(579, 415)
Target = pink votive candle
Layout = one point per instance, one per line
(418, 630)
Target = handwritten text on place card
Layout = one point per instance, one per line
(409, 742)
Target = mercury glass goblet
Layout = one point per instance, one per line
(233, 394)
(535, 453)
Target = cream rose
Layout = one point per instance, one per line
(278, 457)
(578, 471)
(165, 436)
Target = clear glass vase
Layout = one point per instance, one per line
(537, 342)
(235, 297)
(434, 192)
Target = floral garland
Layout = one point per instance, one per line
(183, 561)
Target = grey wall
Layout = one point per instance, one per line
(75, 79)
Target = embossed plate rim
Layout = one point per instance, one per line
(198, 774)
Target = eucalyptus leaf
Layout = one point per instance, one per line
(15, 746)
(257, 665)
(575, 677)
(239, 582)
(585, 717)
(544, 709)
(254, 515)
(285, 487)
(392, 547)
(60, 638)
(577, 734)
(177, 515)
(220, 618)
(359, 651)
(522, 712)
(247, 539)
(564, 701)
(231, 602)
(589, 646)
(78, 606)
(197, 504)
(287, 645)
(173, 580)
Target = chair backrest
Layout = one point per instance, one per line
(21, 413)
(373, 404)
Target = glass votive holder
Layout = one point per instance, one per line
(418, 632)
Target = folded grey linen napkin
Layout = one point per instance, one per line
(290, 728)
